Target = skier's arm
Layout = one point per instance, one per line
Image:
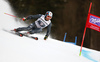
(34, 16)
(48, 31)
(31, 17)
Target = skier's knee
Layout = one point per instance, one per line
(28, 28)
(31, 32)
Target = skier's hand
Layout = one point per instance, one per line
(24, 19)
(45, 37)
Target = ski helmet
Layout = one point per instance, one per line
(49, 13)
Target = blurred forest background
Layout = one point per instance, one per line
(69, 16)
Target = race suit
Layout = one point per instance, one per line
(38, 25)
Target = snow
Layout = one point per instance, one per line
(22, 49)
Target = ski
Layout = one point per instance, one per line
(21, 34)
(36, 38)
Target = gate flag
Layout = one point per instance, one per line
(93, 22)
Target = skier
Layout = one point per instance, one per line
(37, 26)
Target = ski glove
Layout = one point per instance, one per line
(45, 37)
(24, 19)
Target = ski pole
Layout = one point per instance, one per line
(12, 15)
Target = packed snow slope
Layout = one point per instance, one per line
(22, 49)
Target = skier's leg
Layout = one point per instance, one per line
(26, 28)
(37, 30)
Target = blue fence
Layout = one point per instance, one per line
(70, 42)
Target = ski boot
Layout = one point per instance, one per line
(16, 30)
(20, 34)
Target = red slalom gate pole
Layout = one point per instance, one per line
(90, 7)
(85, 30)
(82, 41)
(12, 15)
